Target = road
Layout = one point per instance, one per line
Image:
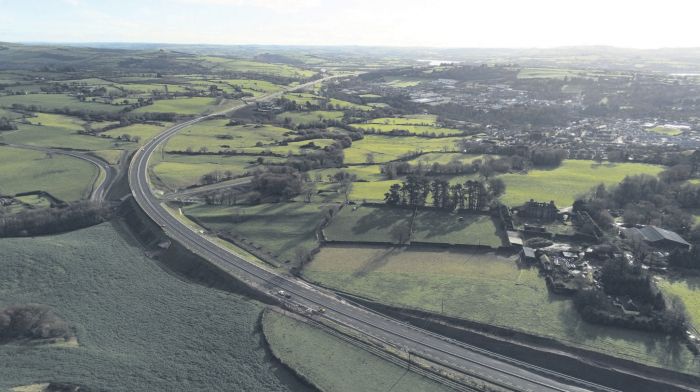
(508, 373)
(99, 191)
(188, 193)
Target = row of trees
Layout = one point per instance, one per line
(486, 168)
(6, 124)
(472, 195)
(54, 220)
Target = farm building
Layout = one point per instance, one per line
(658, 237)
(527, 255)
(537, 210)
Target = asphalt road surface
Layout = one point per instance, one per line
(505, 372)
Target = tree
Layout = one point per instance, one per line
(393, 197)
(369, 158)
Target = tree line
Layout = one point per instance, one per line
(472, 195)
(54, 220)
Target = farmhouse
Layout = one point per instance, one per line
(657, 237)
(537, 210)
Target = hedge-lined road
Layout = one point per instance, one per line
(507, 373)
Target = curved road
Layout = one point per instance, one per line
(505, 372)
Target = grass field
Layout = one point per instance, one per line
(483, 287)
(64, 177)
(256, 87)
(216, 136)
(57, 101)
(221, 64)
(144, 131)
(335, 365)
(409, 127)
(445, 227)
(310, 117)
(444, 158)
(665, 130)
(55, 130)
(279, 228)
(112, 157)
(388, 148)
(138, 327)
(370, 224)
(182, 106)
(312, 99)
(573, 178)
(688, 290)
(178, 171)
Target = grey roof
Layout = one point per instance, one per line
(655, 234)
(529, 252)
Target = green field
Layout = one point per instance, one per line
(64, 177)
(144, 131)
(413, 129)
(446, 227)
(216, 136)
(483, 287)
(312, 99)
(55, 130)
(280, 228)
(370, 224)
(138, 327)
(335, 365)
(310, 117)
(664, 130)
(181, 171)
(221, 64)
(255, 87)
(688, 290)
(570, 180)
(50, 102)
(182, 106)
(389, 148)
(445, 158)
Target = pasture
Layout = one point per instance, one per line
(64, 177)
(59, 137)
(309, 117)
(221, 64)
(369, 224)
(485, 287)
(181, 171)
(50, 102)
(389, 148)
(280, 228)
(440, 226)
(181, 106)
(215, 136)
(333, 364)
(143, 131)
(413, 129)
(100, 282)
(568, 181)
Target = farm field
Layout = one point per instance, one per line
(310, 117)
(100, 282)
(484, 287)
(59, 137)
(369, 224)
(216, 136)
(64, 177)
(181, 171)
(221, 64)
(411, 119)
(446, 227)
(280, 228)
(573, 178)
(312, 99)
(182, 106)
(333, 364)
(667, 131)
(48, 102)
(389, 148)
(688, 290)
(414, 129)
(144, 131)
(256, 87)
(444, 158)
(110, 156)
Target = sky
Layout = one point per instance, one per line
(436, 23)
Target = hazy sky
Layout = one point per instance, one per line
(443, 23)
